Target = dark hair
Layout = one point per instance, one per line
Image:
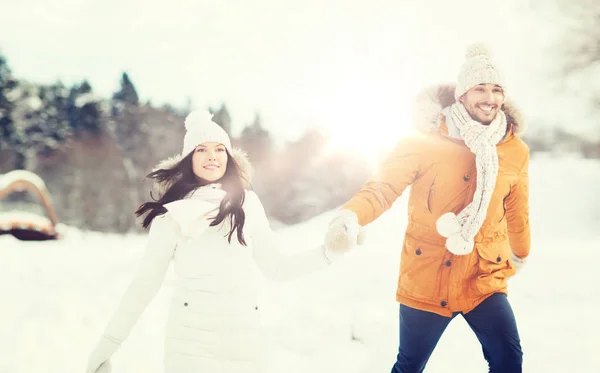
(181, 180)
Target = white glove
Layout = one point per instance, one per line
(517, 262)
(344, 233)
(98, 362)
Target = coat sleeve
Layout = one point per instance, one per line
(399, 170)
(517, 213)
(274, 264)
(148, 279)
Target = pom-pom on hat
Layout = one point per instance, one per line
(200, 128)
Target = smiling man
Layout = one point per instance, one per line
(468, 216)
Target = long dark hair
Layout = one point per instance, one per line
(181, 181)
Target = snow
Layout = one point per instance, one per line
(23, 219)
(21, 175)
(86, 98)
(58, 295)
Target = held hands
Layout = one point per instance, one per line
(98, 362)
(344, 233)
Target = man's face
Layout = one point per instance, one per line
(483, 102)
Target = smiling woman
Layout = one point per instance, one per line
(209, 161)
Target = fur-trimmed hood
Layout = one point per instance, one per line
(431, 101)
(239, 155)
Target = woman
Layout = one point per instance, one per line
(212, 227)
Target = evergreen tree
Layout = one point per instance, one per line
(84, 109)
(222, 118)
(127, 93)
(256, 141)
(39, 122)
(7, 83)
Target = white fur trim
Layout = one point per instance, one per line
(243, 162)
(430, 102)
(168, 163)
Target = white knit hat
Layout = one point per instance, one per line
(200, 128)
(478, 68)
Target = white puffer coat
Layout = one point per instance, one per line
(213, 324)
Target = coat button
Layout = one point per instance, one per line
(443, 303)
(498, 259)
(418, 251)
(255, 307)
(448, 263)
(185, 304)
(466, 178)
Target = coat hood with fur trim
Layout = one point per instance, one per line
(239, 155)
(431, 101)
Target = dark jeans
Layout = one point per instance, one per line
(492, 321)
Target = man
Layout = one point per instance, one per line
(468, 216)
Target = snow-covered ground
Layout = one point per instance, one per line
(58, 296)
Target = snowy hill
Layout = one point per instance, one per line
(59, 295)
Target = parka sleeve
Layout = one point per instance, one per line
(517, 213)
(399, 170)
(267, 248)
(148, 279)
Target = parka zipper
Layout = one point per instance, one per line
(429, 194)
(504, 204)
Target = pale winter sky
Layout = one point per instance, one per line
(350, 66)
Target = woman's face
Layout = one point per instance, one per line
(209, 161)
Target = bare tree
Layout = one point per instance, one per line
(581, 41)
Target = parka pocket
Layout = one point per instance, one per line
(493, 261)
(420, 269)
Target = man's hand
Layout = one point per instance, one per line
(344, 233)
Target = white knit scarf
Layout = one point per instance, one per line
(193, 212)
(213, 193)
(481, 139)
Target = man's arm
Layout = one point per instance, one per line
(517, 213)
(396, 173)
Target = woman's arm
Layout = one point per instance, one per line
(267, 248)
(148, 279)
(162, 240)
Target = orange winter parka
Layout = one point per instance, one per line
(441, 173)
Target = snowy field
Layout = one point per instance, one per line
(58, 296)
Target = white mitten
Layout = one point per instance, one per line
(98, 361)
(344, 233)
(517, 262)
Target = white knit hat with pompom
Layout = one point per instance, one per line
(478, 68)
(200, 129)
